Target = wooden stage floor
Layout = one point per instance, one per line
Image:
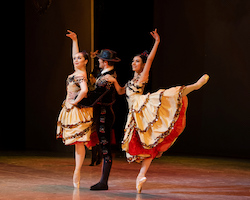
(39, 177)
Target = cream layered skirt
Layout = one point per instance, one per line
(74, 124)
(154, 122)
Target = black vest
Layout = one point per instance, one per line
(104, 93)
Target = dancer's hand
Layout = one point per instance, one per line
(155, 35)
(72, 102)
(151, 56)
(71, 35)
(109, 78)
(93, 54)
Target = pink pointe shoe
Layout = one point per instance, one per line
(202, 81)
(76, 179)
(139, 183)
(76, 185)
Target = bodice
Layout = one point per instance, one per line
(73, 85)
(134, 89)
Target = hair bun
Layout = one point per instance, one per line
(144, 56)
(85, 52)
(145, 53)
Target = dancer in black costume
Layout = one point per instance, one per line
(102, 99)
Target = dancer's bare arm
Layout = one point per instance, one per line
(73, 37)
(151, 56)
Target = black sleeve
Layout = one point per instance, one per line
(90, 100)
(93, 97)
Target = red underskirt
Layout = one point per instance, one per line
(136, 148)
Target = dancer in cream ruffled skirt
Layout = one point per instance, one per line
(74, 124)
(155, 120)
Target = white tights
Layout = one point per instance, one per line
(202, 81)
(144, 167)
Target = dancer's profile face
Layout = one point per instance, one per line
(79, 60)
(101, 63)
(137, 64)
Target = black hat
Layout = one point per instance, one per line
(108, 55)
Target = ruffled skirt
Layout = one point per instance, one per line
(75, 124)
(154, 123)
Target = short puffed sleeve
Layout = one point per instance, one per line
(80, 78)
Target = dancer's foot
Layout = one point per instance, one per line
(99, 186)
(76, 179)
(139, 183)
(202, 81)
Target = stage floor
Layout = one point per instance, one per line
(171, 177)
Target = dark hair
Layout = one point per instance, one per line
(85, 55)
(143, 56)
(95, 72)
(111, 63)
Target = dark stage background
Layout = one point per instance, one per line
(197, 36)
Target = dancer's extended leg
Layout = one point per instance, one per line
(202, 81)
(79, 158)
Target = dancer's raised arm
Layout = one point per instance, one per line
(151, 56)
(73, 36)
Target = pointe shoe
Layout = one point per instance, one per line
(139, 183)
(76, 180)
(202, 81)
(76, 185)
